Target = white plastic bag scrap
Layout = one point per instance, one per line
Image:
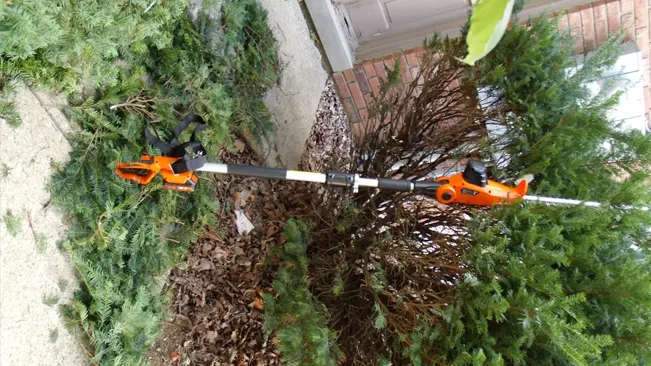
(244, 225)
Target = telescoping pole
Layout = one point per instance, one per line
(335, 179)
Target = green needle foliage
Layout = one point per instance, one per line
(51, 42)
(12, 223)
(54, 335)
(7, 110)
(135, 64)
(297, 319)
(555, 128)
(538, 284)
(50, 300)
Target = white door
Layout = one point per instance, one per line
(373, 19)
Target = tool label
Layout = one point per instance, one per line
(469, 192)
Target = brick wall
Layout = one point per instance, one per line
(356, 85)
(591, 24)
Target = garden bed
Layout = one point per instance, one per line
(217, 297)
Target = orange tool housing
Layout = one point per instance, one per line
(146, 169)
(456, 188)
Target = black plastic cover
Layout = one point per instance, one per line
(475, 173)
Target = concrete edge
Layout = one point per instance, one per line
(331, 34)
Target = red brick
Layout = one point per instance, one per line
(358, 98)
(411, 58)
(588, 28)
(413, 72)
(601, 32)
(628, 26)
(647, 99)
(360, 76)
(404, 71)
(368, 98)
(349, 75)
(578, 39)
(574, 17)
(599, 10)
(641, 12)
(420, 55)
(642, 40)
(340, 81)
(378, 65)
(375, 85)
(563, 23)
(361, 128)
(368, 68)
(351, 110)
(613, 16)
(363, 114)
(627, 6)
(390, 63)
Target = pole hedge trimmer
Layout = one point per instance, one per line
(181, 161)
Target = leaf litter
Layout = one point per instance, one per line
(217, 298)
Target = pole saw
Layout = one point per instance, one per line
(181, 161)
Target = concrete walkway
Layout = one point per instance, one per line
(294, 101)
(34, 275)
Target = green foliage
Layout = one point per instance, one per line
(7, 107)
(298, 320)
(50, 300)
(552, 285)
(63, 284)
(41, 243)
(12, 223)
(147, 62)
(5, 170)
(556, 285)
(54, 335)
(348, 218)
(59, 44)
(555, 129)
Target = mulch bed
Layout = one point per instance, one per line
(217, 297)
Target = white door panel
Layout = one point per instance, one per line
(369, 18)
(373, 18)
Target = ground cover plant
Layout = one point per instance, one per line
(122, 65)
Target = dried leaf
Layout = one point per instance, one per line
(271, 230)
(219, 254)
(175, 356)
(239, 145)
(258, 303)
(204, 265)
(211, 336)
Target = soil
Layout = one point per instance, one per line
(217, 306)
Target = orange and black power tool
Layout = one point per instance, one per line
(470, 187)
(182, 160)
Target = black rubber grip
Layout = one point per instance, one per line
(257, 171)
(394, 184)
